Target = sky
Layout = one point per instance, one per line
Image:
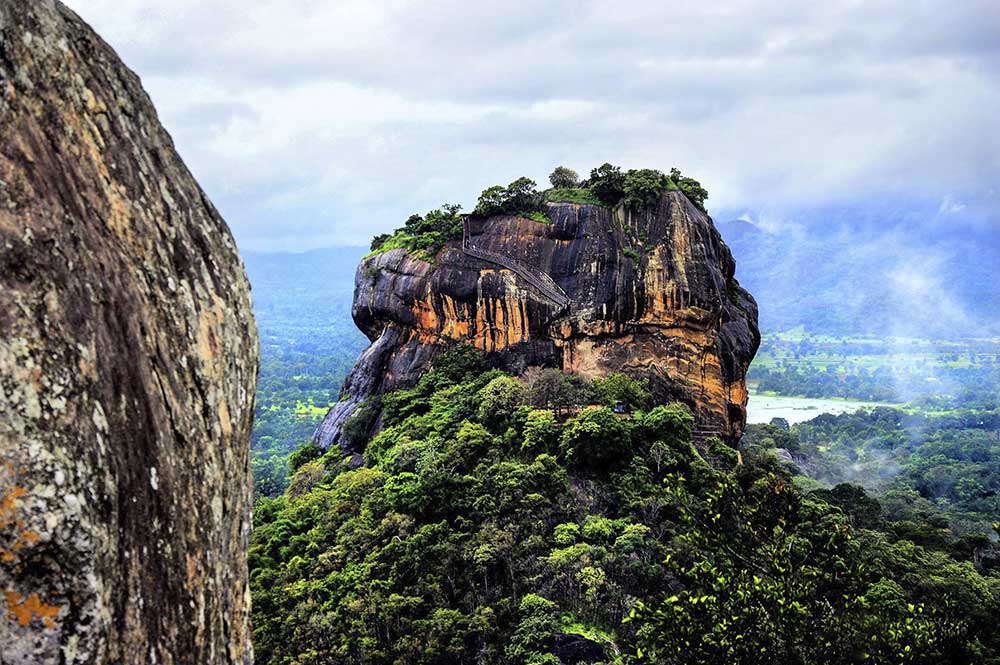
(316, 123)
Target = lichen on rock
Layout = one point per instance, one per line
(127, 365)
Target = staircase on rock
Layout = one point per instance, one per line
(541, 281)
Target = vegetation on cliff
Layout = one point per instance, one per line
(423, 234)
(520, 197)
(484, 529)
(637, 189)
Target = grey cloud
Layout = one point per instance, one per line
(318, 122)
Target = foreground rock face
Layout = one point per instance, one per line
(128, 358)
(650, 293)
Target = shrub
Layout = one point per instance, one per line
(595, 439)
(537, 215)
(303, 455)
(499, 399)
(563, 177)
(619, 387)
(423, 234)
(357, 426)
(306, 477)
(518, 197)
(607, 182)
(379, 240)
(691, 188)
(642, 188)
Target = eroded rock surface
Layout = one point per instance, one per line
(651, 293)
(127, 366)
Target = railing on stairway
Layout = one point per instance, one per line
(541, 281)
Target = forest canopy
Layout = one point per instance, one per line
(504, 519)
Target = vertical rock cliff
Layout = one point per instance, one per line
(128, 358)
(598, 290)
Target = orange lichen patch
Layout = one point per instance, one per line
(8, 506)
(23, 610)
(738, 393)
(21, 537)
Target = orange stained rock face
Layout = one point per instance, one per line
(24, 609)
(497, 324)
(450, 323)
(500, 323)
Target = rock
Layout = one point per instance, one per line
(127, 367)
(572, 649)
(651, 293)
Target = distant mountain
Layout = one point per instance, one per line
(849, 275)
(895, 280)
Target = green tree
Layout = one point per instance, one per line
(492, 201)
(691, 188)
(596, 439)
(519, 196)
(541, 431)
(522, 195)
(608, 184)
(532, 640)
(549, 388)
(619, 387)
(667, 422)
(499, 399)
(769, 576)
(642, 188)
(564, 178)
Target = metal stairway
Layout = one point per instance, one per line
(541, 281)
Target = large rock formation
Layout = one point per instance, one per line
(128, 358)
(649, 292)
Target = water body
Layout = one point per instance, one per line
(762, 408)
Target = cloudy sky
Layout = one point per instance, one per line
(315, 123)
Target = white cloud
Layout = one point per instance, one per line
(312, 122)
